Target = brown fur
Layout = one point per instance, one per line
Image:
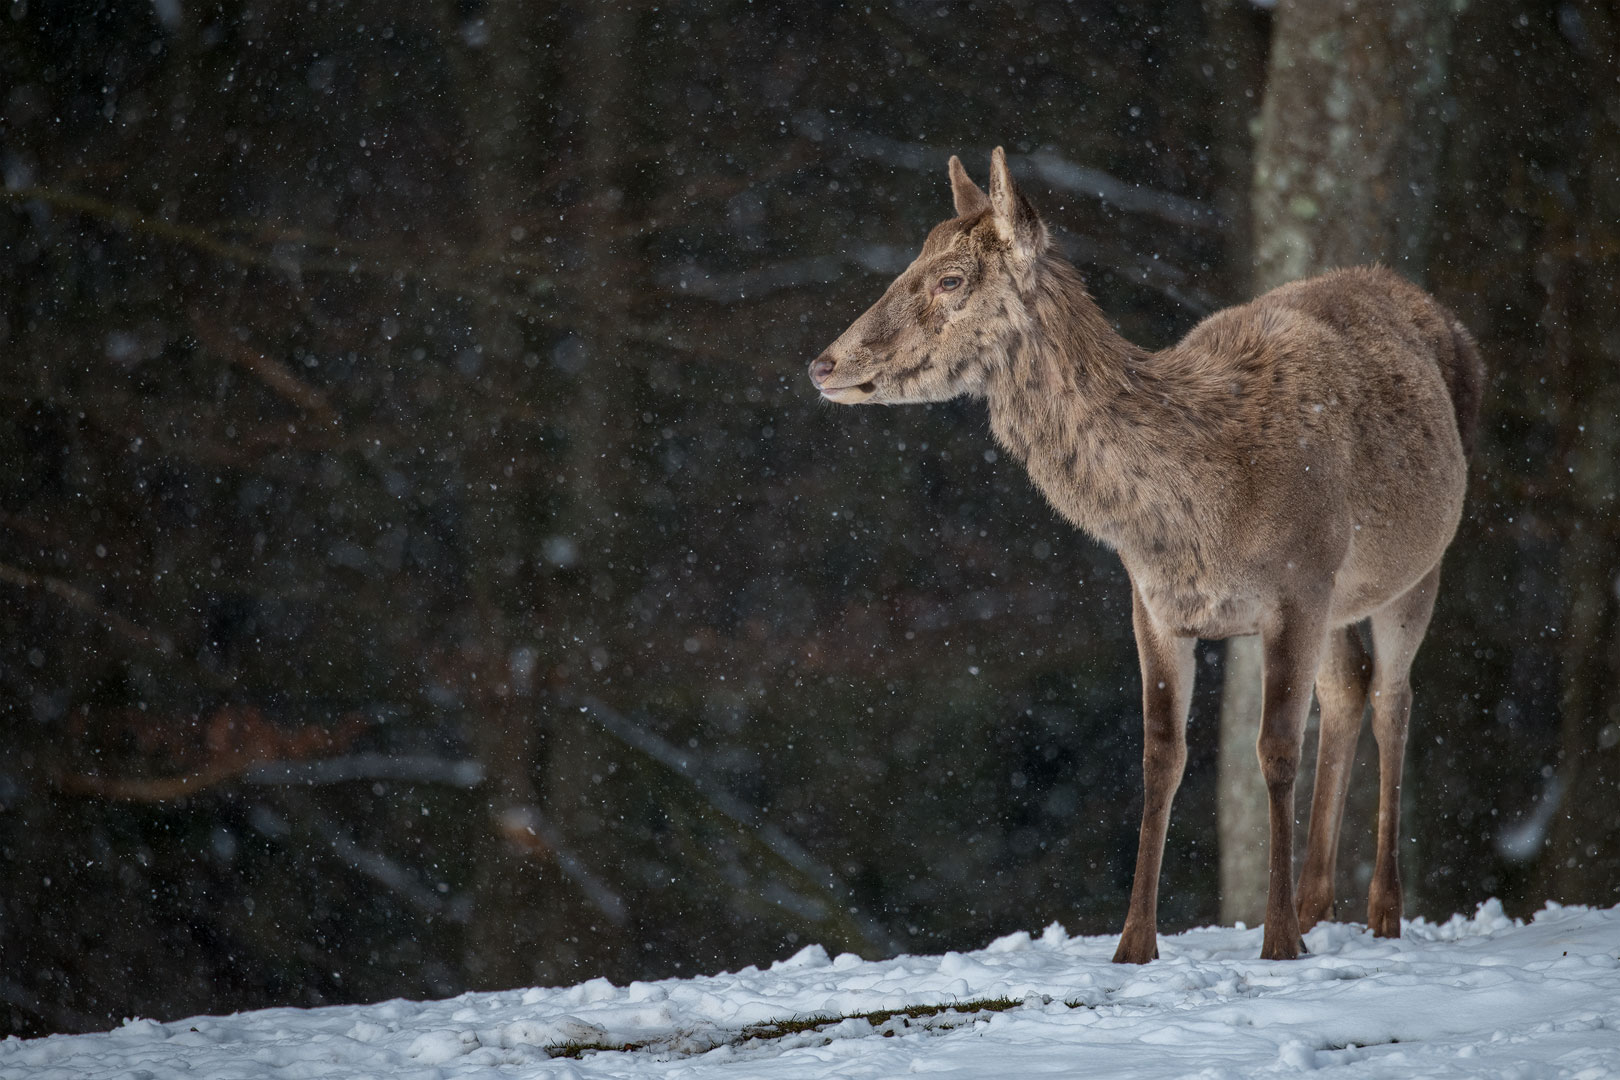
(1293, 466)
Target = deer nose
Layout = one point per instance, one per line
(820, 368)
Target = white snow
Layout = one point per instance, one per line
(1479, 997)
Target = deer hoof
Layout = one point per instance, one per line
(1277, 950)
(1314, 909)
(1384, 912)
(1136, 947)
(1282, 946)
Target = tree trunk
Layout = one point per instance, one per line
(1344, 173)
(601, 69)
(1578, 861)
(497, 78)
(1236, 46)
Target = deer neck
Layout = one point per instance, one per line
(1100, 423)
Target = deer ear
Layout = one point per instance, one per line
(1016, 220)
(970, 199)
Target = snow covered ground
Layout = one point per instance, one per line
(1473, 997)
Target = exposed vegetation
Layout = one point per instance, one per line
(885, 1023)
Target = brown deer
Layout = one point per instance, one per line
(1294, 466)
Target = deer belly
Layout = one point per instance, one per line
(1202, 614)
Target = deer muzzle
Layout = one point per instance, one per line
(823, 371)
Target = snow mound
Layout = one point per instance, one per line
(1477, 997)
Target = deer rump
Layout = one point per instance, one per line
(1294, 466)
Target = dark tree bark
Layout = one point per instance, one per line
(498, 80)
(1238, 33)
(1579, 860)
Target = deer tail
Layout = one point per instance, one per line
(1464, 374)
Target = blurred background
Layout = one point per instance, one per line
(424, 565)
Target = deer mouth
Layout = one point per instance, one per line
(852, 394)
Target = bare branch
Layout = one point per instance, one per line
(529, 294)
(275, 376)
(289, 250)
(1058, 172)
(394, 876)
(413, 769)
(408, 768)
(1065, 175)
(830, 906)
(726, 288)
(531, 832)
(146, 789)
(85, 604)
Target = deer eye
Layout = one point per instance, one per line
(950, 281)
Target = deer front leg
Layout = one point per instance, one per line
(1167, 677)
(1292, 649)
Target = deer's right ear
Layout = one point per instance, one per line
(970, 199)
(1017, 223)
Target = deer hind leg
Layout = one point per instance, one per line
(1397, 631)
(1292, 649)
(1341, 690)
(1167, 679)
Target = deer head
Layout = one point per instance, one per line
(947, 321)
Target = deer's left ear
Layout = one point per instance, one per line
(965, 193)
(1017, 223)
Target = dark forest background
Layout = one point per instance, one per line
(424, 565)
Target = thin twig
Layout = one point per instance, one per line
(466, 279)
(282, 382)
(1056, 171)
(415, 769)
(532, 833)
(774, 840)
(85, 604)
(146, 789)
(348, 256)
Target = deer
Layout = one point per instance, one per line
(1295, 467)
